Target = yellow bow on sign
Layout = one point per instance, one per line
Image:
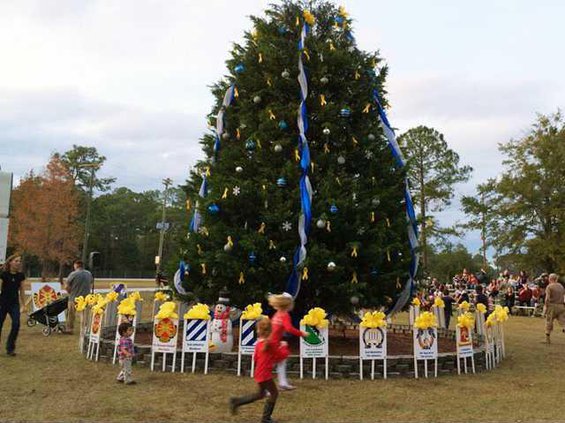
(376, 319)
(425, 320)
(305, 274)
(481, 308)
(315, 317)
(167, 311)
(464, 306)
(466, 320)
(111, 296)
(261, 229)
(80, 303)
(161, 296)
(252, 312)
(241, 278)
(438, 302)
(416, 302)
(198, 312)
(127, 307)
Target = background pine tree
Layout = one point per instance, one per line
(358, 202)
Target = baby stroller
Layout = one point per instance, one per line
(49, 316)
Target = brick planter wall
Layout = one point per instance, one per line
(340, 367)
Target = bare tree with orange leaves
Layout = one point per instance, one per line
(45, 209)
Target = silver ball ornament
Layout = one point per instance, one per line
(324, 80)
(341, 160)
(326, 131)
(239, 169)
(228, 248)
(256, 99)
(331, 266)
(278, 148)
(282, 259)
(226, 136)
(371, 137)
(321, 224)
(285, 74)
(375, 201)
(354, 300)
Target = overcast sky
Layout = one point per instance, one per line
(130, 76)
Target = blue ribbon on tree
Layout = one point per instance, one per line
(305, 217)
(228, 98)
(196, 217)
(409, 287)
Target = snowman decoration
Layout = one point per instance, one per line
(221, 328)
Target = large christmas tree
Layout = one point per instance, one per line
(299, 190)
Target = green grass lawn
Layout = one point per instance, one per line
(50, 381)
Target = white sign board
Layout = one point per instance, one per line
(43, 293)
(315, 344)
(5, 193)
(195, 338)
(372, 343)
(165, 334)
(247, 336)
(425, 344)
(96, 328)
(4, 221)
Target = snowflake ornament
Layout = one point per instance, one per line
(361, 231)
(236, 191)
(368, 154)
(287, 226)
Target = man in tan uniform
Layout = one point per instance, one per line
(554, 307)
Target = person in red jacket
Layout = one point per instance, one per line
(267, 353)
(281, 322)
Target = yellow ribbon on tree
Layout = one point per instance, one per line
(203, 266)
(388, 222)
(271, 115)
(354, 140)
(354, 251)
(357, 74)
(308, 17)
(241, 278)
(342, 12)
(297, 22)
(225, 194)
(305, 274)
(332, 47)
(272, 245)
(398, 285)
(354, 278)
(296, 155)
(388, 255)
(372, 217)
(328, 226)
(238, 134)
(306, 54)
(259, 144)
(188, 205)
(323, 101)
(260, 58)
(326, 148)
(337, 180)
(367, 108)
(230, 241)
(269, 82)
(312, 166)
(235, 92)
(199, 249)
(262, 228)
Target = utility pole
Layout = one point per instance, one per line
(93, 167)
(162, 225)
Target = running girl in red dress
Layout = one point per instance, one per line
(281, 323)
(267, 353)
